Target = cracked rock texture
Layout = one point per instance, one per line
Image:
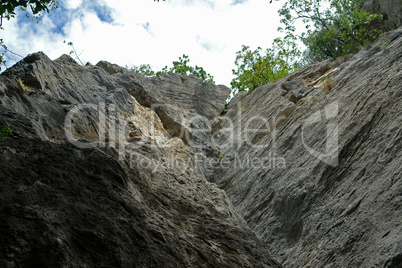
(313, 161)
(93, 177)
(108, 168)
(390, 9)
(184, 104)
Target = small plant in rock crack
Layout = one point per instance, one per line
(315, 98)
(5, 131)
(384, 45)
(24, 87)
(63, 64)
(74, 52)
(219, 157)
(328, 84)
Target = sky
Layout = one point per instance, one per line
(134, 32)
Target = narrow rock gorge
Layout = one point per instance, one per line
(108, 168)
(329, 192)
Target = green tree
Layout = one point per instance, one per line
(7, 7)
(255, 69)
(179, 67)
(144, 69)
(333, 27)
(182, 67)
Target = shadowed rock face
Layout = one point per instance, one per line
(91, 177)
(390, 9)
(329, 191)
(102, 168)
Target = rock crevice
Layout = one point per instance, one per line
(109, 168)
(335, 196)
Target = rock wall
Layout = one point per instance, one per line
(108, 168)
(184, 104)
(390, 9)
(93, 177)
(313, 160)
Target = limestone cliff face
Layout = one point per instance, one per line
(313, 161)
(97, 173)
(108, 168)
(390, 9)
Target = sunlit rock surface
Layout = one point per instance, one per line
(93, 177)
(313, 161)
(108, 168)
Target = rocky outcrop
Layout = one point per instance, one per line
(390, 9)
(184, 104)
(93, 177)
(108, 168)
(313, 160)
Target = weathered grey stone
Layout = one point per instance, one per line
(110, 197)
(186, 107)
(111, 68)
(345, 212)
(390, 9)
(310, 163)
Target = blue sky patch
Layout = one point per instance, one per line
(104, 13)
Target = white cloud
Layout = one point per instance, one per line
(72, 4)
(144, 31)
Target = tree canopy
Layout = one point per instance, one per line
(255, 69)
(144, 69)
(179, 67)
(333, 28)
(7, 7)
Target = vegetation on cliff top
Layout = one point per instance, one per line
(333, 28)
(179, 67)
